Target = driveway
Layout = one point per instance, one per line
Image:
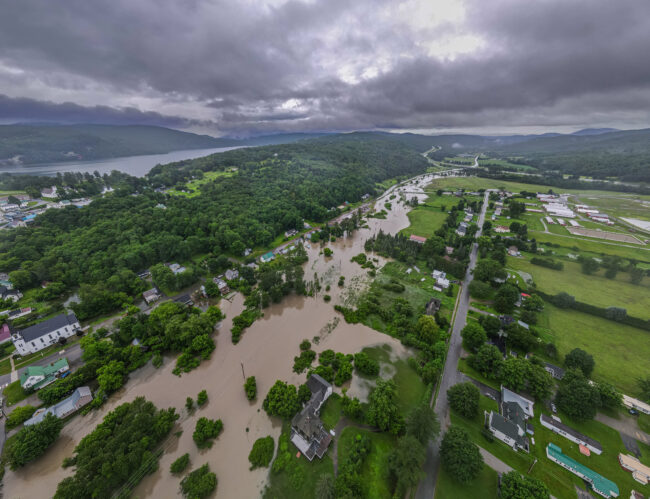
(626, 425)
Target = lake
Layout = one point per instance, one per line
(138, 166)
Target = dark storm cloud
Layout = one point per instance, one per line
(244, 67)
(29, 110)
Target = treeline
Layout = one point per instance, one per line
(70, 185)
(275, 189)
(558, 180)
(618, 314)
(549, 263)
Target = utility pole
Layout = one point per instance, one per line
(242, 371)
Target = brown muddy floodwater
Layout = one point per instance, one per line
(265, 351)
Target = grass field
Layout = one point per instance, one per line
(5, 366)
(14, 393)
(593, 246)
(373, 472)
(194, 185)
(621, 352)
(643, 420)
(593, 289)
(504, 163)
(429, 216)
(410, 389)
(484, 486)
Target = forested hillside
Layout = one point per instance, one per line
(273, 189)
(35, 144)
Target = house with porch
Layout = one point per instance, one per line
(307, 431)
(37, 377)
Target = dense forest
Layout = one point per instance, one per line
(275, 188)
(43, 144)
(621, 154)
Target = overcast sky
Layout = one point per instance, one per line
(248, 67)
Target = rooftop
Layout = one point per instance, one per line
(42, 328)
(570, 431)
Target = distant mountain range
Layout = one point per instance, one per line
(45, 143)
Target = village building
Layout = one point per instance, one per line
(599, 484)
(44, 334)
(150, 296)
(37, 377)
(462, 229)
(307, 431)
(80, 397)
(232, 274)
(441, 279)
(553, 370)
(176, 268)
(526, 404)
(418, 239)
(49, 193)
(10, 294)
(501, 229)
(640, 472)
(222, 285)
(509, 426)
(184, 299)
(637, 405)
(267, 257)
(5, 333)
(571, 434)
(513, 251)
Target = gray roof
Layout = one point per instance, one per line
(80, 397)
(42, 328)
(515, 413)
(570, 431)
(317, 383)
(556, 371)
(508, 427)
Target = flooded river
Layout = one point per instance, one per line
(265, 351)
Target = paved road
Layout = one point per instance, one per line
(450, 375)
(494, 462)
(626, 425)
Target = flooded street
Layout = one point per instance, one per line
(266, 351)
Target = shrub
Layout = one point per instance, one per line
(303, 361)
(206, 430)
(327, 298)
(328, 252)
(365, 364)
(250, 387)
(261, 453)
(305, 345)
(19, 415)
(202, 398)
(199, 484)
(180, 464)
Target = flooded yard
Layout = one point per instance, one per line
(266, 351)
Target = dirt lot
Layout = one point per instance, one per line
(612, 236)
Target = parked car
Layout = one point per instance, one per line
(553, 408)
(634, 412)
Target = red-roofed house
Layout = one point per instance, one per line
(418, 239)
(5, 333)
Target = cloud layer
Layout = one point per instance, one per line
(254, 67)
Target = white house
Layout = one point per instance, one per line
(49, 192)
(44, 334)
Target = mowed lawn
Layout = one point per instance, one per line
(621, 352)
(593, 289)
